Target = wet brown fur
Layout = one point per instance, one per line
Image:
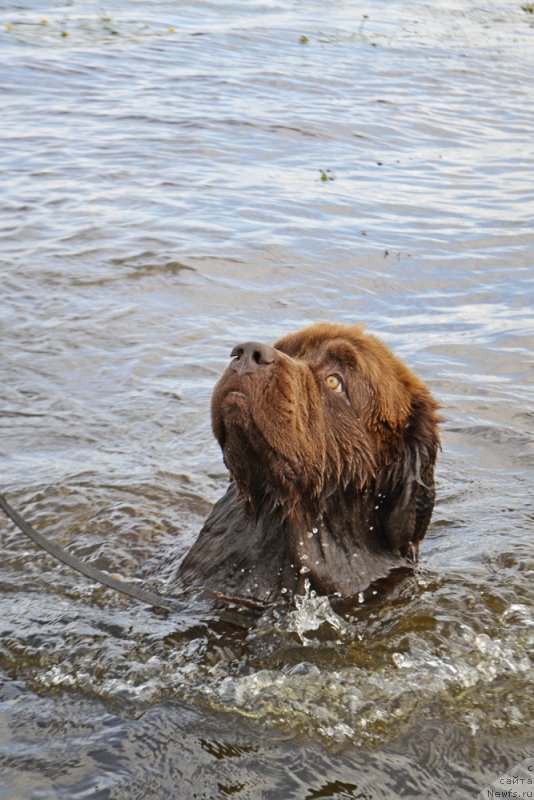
(332, 488)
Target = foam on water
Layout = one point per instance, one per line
(308, 669)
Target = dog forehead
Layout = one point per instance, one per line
(324, 343)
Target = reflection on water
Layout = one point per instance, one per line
(162, 198)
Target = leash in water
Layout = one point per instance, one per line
(159, 602)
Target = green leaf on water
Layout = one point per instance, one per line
(326, 175)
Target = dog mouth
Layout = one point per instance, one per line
(237, 408)
(235, 395)
(243, 436)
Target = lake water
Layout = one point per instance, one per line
(180, 177)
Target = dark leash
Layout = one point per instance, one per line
(157, 601)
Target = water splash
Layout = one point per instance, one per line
(301, 667)
(311, 613)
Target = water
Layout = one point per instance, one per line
(179, 178)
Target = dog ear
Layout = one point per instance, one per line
(405, 488)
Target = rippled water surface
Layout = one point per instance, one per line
(179, 177)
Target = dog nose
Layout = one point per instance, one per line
(251, 357)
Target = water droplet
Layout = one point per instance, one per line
(304, 570)
(315, 530)
(361, 597)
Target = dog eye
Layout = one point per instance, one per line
(334, 383)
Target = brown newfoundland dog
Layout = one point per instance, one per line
(331, 444)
